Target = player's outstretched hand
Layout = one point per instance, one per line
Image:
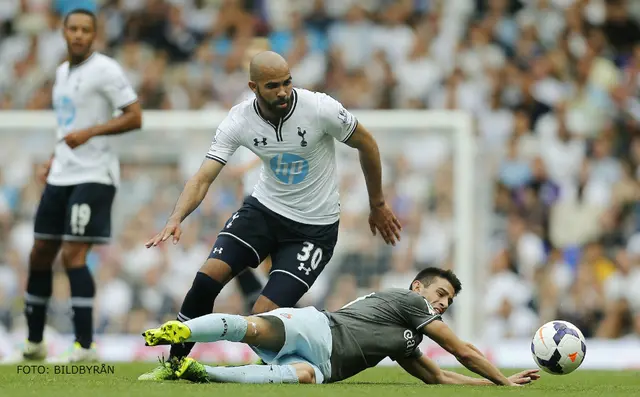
(172, 228)
(525, 377)
(77, 138)
(383, 220)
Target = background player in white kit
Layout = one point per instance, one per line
(82, 177)
(294, 210)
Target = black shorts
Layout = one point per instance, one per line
(254, 232)
(75, 213)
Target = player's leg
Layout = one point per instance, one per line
(199, 300)
(299, 371)
(268, 332)
(301, 255)
(243, 242)
(48, 231)
(250, 286)
(297, 343)
(207, 285)
(88, 223)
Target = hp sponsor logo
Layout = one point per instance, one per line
(289, 168)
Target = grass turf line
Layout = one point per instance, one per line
(387, 382)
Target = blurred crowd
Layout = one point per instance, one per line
(554, 88)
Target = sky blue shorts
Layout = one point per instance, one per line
(308, 339)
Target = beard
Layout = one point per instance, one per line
(272, 106)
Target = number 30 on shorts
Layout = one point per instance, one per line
(305, 254)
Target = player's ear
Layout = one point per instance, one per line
(253, 86)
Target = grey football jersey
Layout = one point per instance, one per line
(379, 325)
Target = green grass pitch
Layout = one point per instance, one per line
(387, 382)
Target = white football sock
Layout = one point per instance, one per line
(217, 326)
(253, 374)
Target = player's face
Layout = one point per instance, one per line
(439, 293)
(79, 32)
(275, 94)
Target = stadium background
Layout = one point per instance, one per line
(552, 85)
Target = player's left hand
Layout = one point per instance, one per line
(77, 138)
(383, 220)
(525, 377)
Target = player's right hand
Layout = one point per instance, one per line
(172, 228)
(383, 220)
(524, 377)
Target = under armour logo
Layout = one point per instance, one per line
(301, 134)
(343, 116)
(256, 142)
(217, 250)
(304, 269)
(233, 218)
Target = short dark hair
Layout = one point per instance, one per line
(427, 275)
(84, 12)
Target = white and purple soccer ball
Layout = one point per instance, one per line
(558, 347)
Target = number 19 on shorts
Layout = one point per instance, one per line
(80, 216)
(304, 256)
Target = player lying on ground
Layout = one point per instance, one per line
(311, 346)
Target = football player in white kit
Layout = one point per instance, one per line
(81, 180)
(294, 210)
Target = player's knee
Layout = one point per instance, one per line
(263, 305)
(256, 329)
(217, 270)
(305, 373)
(74, 254)
(43, 254)
(265, 331)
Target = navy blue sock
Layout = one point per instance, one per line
(39, 287)
(83, 291)
(198, 302)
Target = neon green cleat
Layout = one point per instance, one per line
(192, 370)
(170, 333)
(165, 371)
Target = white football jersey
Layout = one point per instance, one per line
(298, 179)
(86, 95)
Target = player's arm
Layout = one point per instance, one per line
(223, 146)
(196, 189)
(344, 127)
(465, 353)
(192, 195)
(114, 86)
(424, 369)
(130, 119)
(430, 373)
(121, 95)
(367, 147)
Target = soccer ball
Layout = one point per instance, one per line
(558, 347)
